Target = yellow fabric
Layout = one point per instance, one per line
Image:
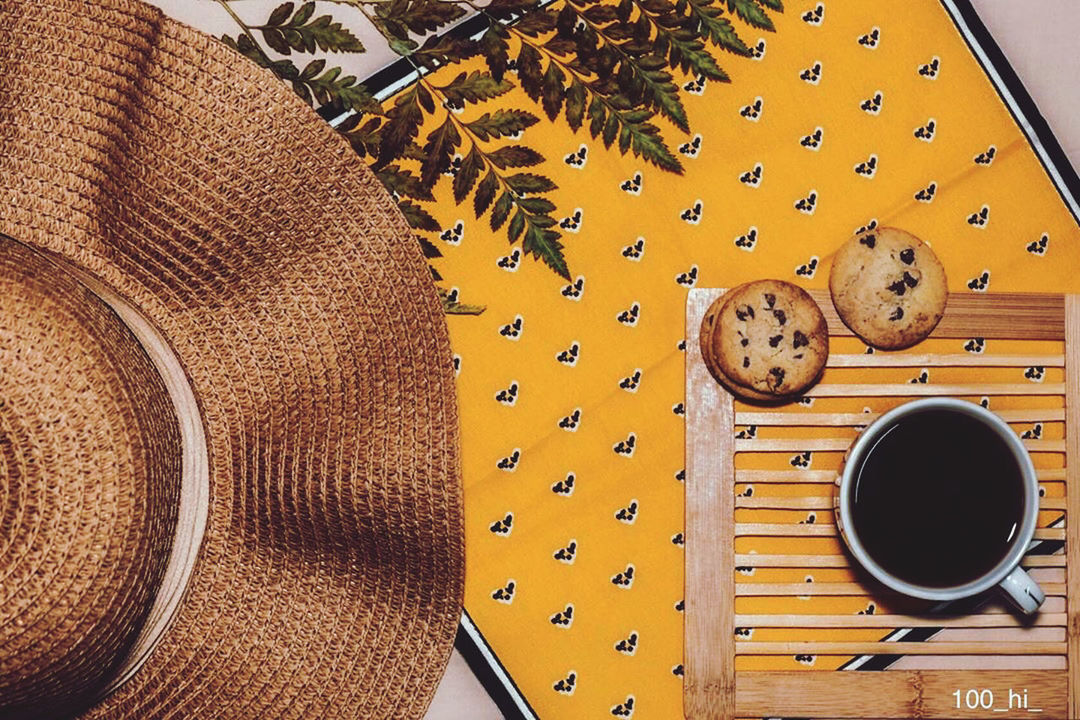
(968, 118)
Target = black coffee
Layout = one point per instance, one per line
(938, 499)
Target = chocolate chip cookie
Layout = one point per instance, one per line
(888, 287)
(765, 340)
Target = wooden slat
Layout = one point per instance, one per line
(799, 419)
(900, 648)
(826, 503)
(1024, 316)
(785, 476)
(746, 589)
(829, 530)
(1072, 492)
(762, 560)
(982, 620)
(797, 445)
(709, 615)
(894, 360)
(898, 694)
(785, 503)
(829, 476)
(932, 389)
(786, 529)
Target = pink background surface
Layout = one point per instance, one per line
(1039, 39)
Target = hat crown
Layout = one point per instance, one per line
(90, 466)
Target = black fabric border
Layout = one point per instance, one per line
(470, 649)
(1028, 108)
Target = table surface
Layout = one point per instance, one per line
(1038, 37)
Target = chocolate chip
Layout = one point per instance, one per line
(745, 342)
(746, 361)
(776, 377)
(799, 356)
(775, 340)
(799, 341)
(869, 241)
(910, 280)
(780, 316)
(897, 287)
(897, 314)
(744, 312)
(907, 256)
(770, 299)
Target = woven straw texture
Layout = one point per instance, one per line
(330, 577)
(89, 462)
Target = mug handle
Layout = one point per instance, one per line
(1023, 591)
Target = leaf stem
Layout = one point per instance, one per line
(462, 127)
(246, 29)
(491, 167)
(552, 57)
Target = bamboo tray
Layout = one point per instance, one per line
(1047, 670)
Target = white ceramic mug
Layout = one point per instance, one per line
(1008, 574)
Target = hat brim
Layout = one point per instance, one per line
(204, 193)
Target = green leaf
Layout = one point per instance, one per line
(453, 307)
(494, 46)
(313, 68)
(530, 183)
(776, 5)
(517, 224)
(474, 87)
(330, 87)
(443, 50)
(421, 16)
(467, 174)
(611, 129)
(281, 14)
(417, 217)
(285, 35)
(690, 55)
(553, 90)
(529, 72)
(485, 193)
(329, 36)
(597, 115)
(426, 100)
(600, 14)
(501, 211)
(502, 123)
(634, 133)
(439, 151)
(664, 95)
(575, 104)
(402, 126)
(536, 205)
(364, 140)
(276, 40)
(306, 11)
(543, 243)
(428, 248)
(717, 28)
(647, 143)
(536, 22)
(515, 156)
(750, 12)
(403, 182)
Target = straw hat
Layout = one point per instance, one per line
(229, 482)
